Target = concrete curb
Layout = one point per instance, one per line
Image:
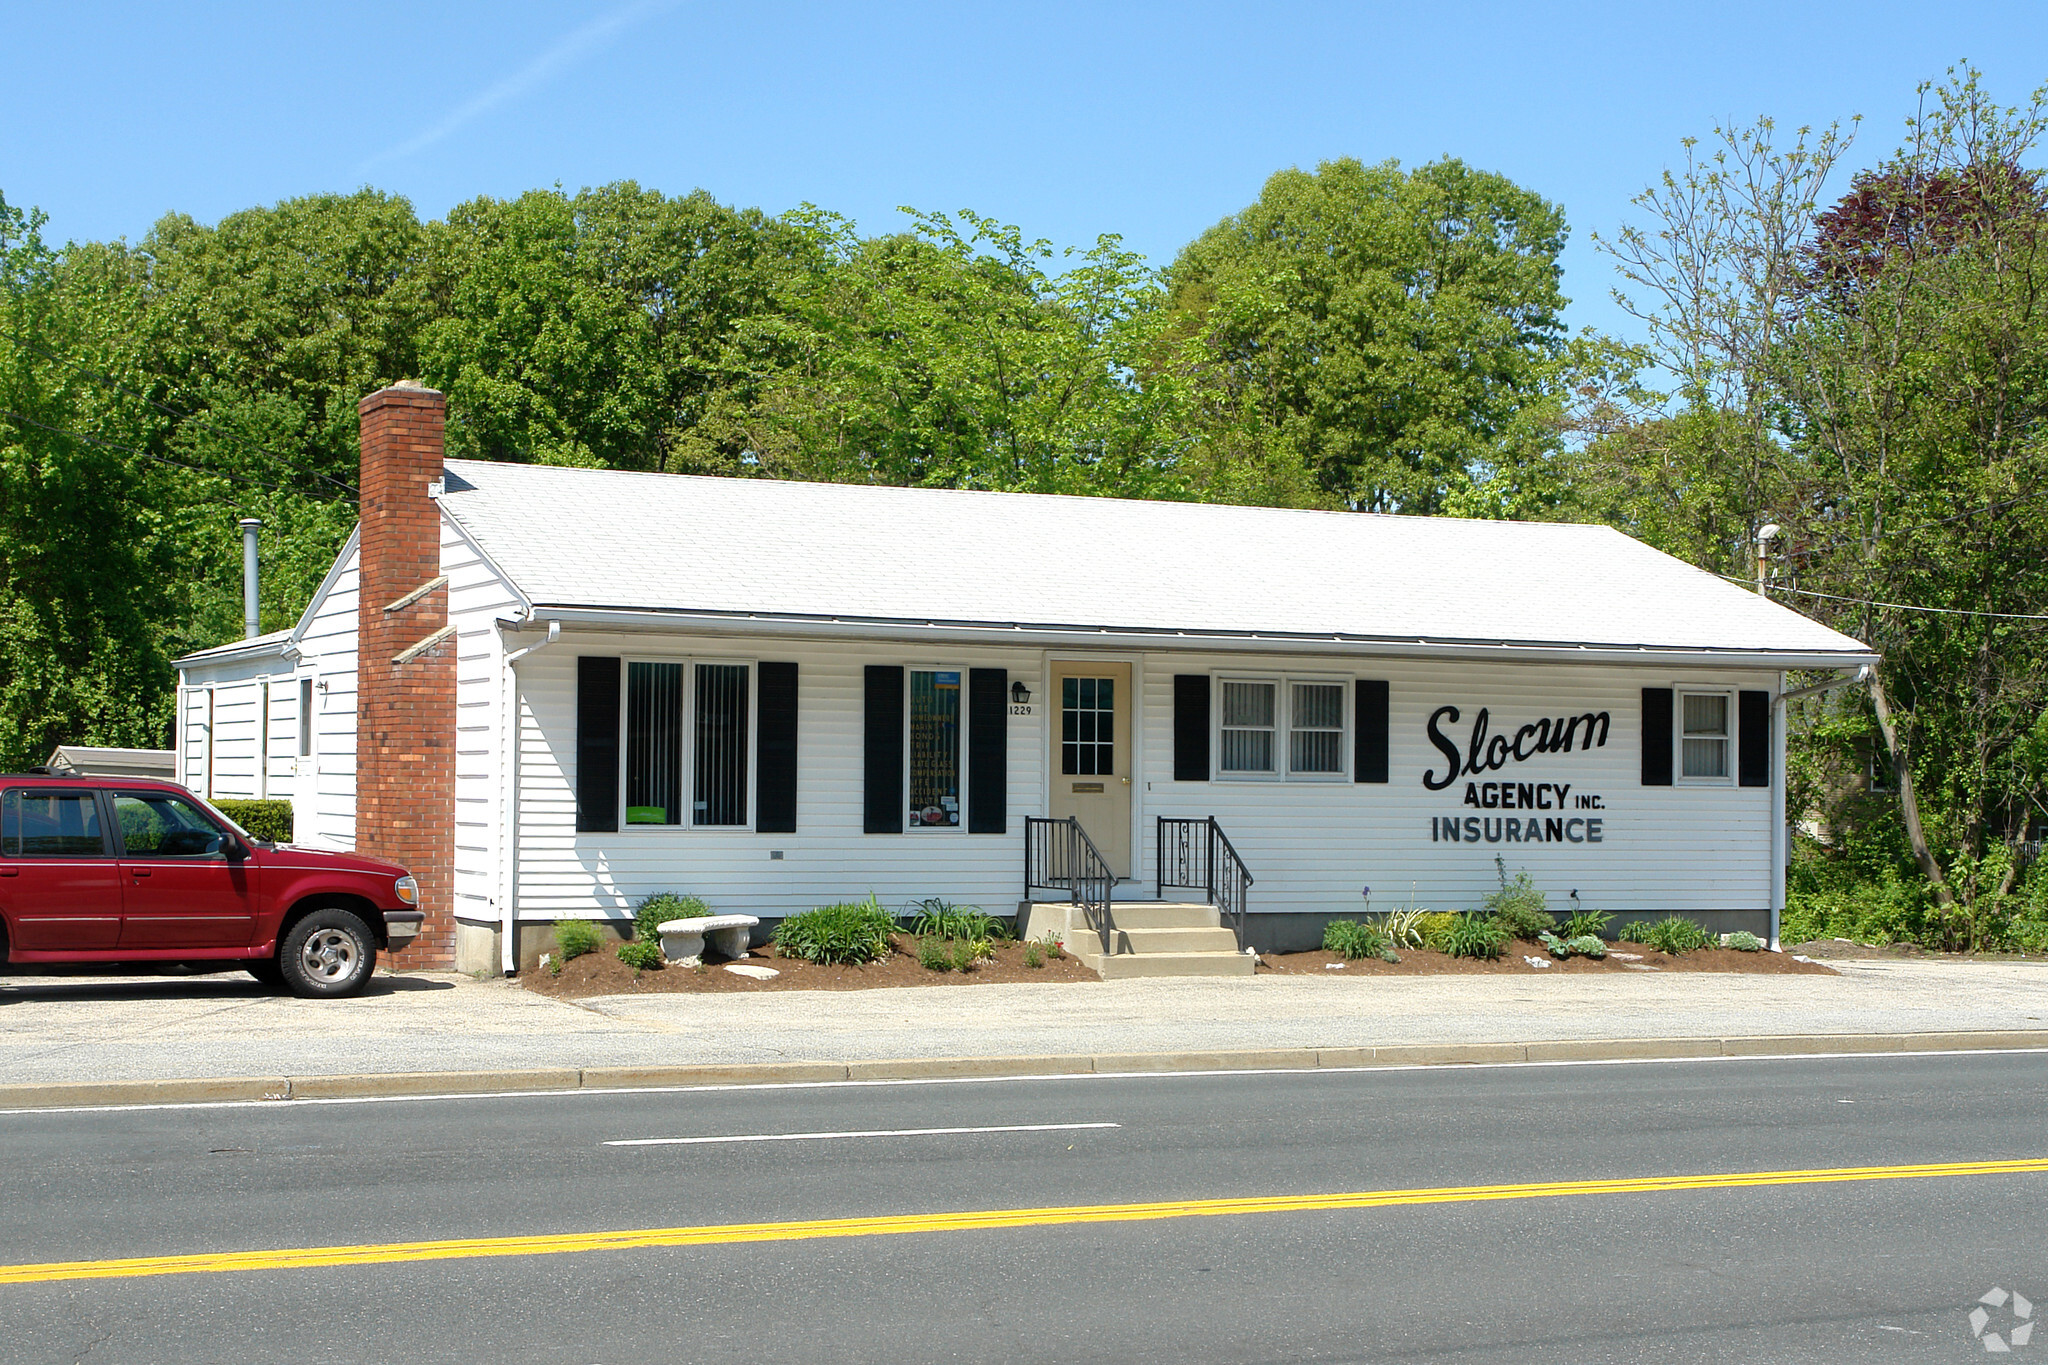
(97, 1094)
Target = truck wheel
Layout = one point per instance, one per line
(266, 972)
(329, 953)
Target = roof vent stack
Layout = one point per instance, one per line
(252, 617)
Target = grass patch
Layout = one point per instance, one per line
(847, 934)
(1353, 941)
(936, 917)
(1475, 935)
(1674, 934)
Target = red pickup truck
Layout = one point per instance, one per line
(123, 871)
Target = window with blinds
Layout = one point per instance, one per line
(654, 744)
(719, 794)
(1280, 727)
(1315, 728)
(1248, 718)
(1703, 740)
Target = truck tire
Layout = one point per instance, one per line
(329, 953)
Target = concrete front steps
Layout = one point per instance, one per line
(1149, 938)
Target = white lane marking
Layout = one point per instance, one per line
(1051, 1076)
(865, 1133)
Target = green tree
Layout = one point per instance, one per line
(599, 329)
(1387, 340)
(88, 558)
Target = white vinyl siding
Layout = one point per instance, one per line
(477, 599)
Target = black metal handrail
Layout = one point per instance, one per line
(1059, 854)
(1195, 852)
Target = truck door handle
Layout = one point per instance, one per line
(10, 872)
(139, 871)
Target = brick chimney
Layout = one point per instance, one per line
(405, 694)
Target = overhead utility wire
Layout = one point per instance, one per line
(165, 408)
(1892, 606)
(167, 460)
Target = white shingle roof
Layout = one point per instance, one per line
(663, 542)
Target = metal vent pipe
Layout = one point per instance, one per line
(252, 618)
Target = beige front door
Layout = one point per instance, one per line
(1091, 754)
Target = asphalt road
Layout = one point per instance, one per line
(1857, 1270)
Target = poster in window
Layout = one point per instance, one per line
(935, 749)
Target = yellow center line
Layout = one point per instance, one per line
(556, 1244)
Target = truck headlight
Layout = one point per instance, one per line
(408, 890)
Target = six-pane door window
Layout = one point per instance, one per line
(1087, 726)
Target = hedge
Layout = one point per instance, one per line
(270, 820)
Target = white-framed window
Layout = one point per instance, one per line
(935, 752)
(686, 748)
(1248, 715)
(1706, 737)
(305, 718)
(1281, 727)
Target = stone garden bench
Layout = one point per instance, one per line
(682, 940)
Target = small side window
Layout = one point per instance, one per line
(1703, 741)
(305, 718)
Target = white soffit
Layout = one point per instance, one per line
(685, 544)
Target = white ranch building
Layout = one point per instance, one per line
(553, 692)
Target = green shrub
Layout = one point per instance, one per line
(1051, 943)
(1577, 945)
(575, 937)
(933, 955)
(1403, 928)
(270, 820)
(644, 957)
(658, 910)
(1518, 905)
(850, 933)
(1351, 940)
(1673, 934)
(938, 917)
(968, 952)
(1742, 941)
(1434, 927)
(1034, 955)
(1475, 935)
(1585, 924)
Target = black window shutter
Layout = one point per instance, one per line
(1369, 762)
(597, 743)
(988, 750)
(1191, 727)
(882, 762)
(775, 750)
(1657, 705)
(1753, 736)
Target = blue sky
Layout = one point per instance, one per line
(1070, 120)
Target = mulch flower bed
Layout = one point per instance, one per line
(601, 973)
(1427, 962)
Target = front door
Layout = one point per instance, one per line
(182, 890)
(1091, 755)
